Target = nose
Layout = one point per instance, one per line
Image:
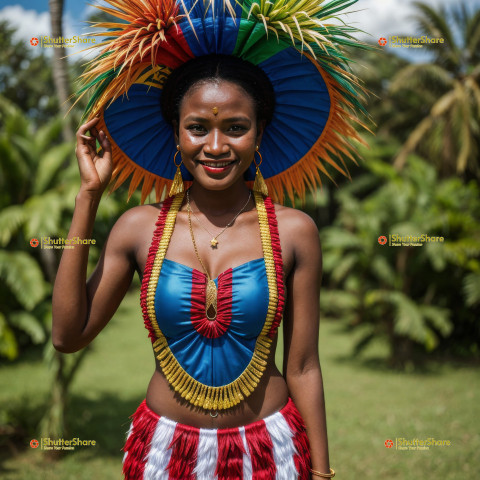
(215, 144)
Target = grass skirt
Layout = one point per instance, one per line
(275, 448)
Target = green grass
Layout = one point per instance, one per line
(366, 404)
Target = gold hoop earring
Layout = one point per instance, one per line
(259, 184)
(177, 184)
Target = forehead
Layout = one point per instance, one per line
(226, 96)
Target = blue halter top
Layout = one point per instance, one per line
(213, 363)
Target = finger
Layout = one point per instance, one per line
(86, 140)
(86, 126)
(104, 142)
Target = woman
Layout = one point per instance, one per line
(220, 263)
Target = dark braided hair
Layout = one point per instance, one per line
(215, 68)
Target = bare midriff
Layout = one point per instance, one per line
(270, 396)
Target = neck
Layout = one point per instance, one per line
(218, 202)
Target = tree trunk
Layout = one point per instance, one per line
(60, 72)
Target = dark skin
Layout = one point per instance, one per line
(82, 308)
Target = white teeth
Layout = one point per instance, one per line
(216, 164)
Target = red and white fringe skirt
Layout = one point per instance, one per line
(275, 448)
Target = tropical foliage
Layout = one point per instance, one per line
(403, 293)
(447, 90)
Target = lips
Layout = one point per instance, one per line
(217, 167)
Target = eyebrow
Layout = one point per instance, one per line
(194, 118)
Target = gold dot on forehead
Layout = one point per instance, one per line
(215, 110)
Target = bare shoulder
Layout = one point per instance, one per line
(295, 222)
(138, 216)
(298, 235)
(132, 226)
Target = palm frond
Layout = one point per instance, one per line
(29, 324)
(50, 165)
(471, 289)
(11, 219)
(416, 76)
(23, 277)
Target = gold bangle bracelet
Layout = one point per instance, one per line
(324, 475)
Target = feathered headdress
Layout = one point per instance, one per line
(294, 42)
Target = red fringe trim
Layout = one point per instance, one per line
(211, 328)
(184, 447)
(302, 458)
(138, 443)
(160, 224)
(230, 454)
(260, 447)
(277, 256)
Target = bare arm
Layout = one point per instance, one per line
(80, 309)
(301, 327)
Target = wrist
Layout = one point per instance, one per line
(88, 196)
(325, 473)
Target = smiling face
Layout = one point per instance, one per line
(217, 133)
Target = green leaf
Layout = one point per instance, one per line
(471, 289)
(438, 317)
(408, 318)
(11, 219)
(44, 214)
(49, 166)
(8, 342)
(29, 324)
(48, 134)
(23, 277)
(338, 301)
(383, 270)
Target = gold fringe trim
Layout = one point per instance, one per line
(198, 394)
(159, 256)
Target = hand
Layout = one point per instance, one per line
(95, 167)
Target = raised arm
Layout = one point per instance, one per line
(80, 309)
(301, 367)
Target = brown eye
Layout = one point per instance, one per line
(196, 128)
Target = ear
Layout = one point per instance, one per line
(175, 131)
(260, 129)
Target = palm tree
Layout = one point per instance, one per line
(448, 91)
(60, 70)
